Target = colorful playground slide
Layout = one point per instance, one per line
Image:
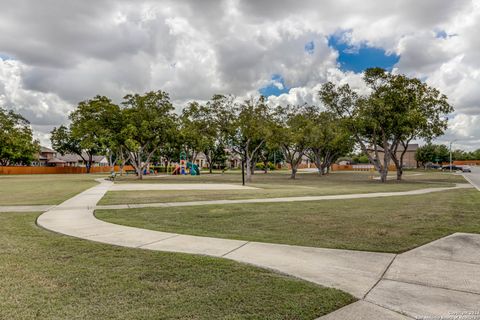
(194, 169)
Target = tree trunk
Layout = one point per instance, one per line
(383, 175)
(137, 163)
(122, 161)
(210, 161)
(317, 159)
(294, 172)
(89, 163)
(248, 170)
(399, 173)
(139, 167)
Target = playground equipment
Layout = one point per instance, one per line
(194, 169)
(183, 157)
(182, 168)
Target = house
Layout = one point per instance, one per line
(232, 161)
(408, 159)
(51, 158)
(74, 160)
(44, 156)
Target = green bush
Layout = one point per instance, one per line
(261, 166)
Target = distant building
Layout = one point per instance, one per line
(408, 159)
(233, 160)
(44, 156)
(51, 158)
(74, 160)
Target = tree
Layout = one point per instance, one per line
(216, 157)
(292, 133)
(329, 140)
(442, 153)
(149, 125)
(426, 154)
(437, 153)
(221, 110)
(366, 119)
(170, 151)
(397, 110)
(248, 130)
(476, 154)
(200, 131)
(17, 145)
(95, 125)
(417, 110)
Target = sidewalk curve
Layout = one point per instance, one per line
(285, 199)
(388, 285)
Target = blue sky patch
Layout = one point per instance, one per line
(441, 34)
(275, 88)
(359, 58)
(5, 57)
(310, 47)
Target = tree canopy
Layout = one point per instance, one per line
(17, 146)
(397, 110)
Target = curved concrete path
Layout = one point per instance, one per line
(432, 280)
(145, 187)
(275, 200)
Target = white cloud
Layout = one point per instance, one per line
(66, 51)
(43, 110)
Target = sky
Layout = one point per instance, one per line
(56, 53)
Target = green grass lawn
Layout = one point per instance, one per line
(278, 184)
(48, 276)
(392, 224)
(40, 189)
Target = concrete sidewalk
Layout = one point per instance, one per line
(145, 187)
(177, 186)
(432, 280)
(285, 199)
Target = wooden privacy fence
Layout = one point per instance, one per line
(465, 163)
(58, 170)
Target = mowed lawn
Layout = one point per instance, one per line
(278, 184)
(43, 188)
(390, 224)
(48, 276)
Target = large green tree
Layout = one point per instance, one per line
(397, 110)
(292, 132)
(94, 127)
(366, 118)
(248, 130)
(149, 124)
(329, 139)
(199, 131)
(17, 145)
(432, 153)
(416, 110)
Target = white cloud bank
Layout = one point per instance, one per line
(64, 51)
